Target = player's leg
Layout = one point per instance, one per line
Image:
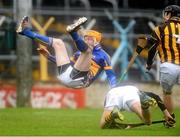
(25, 29)
(168, 77)
(143, 114)
(58, 45)
(110, 117)
(146, 102)
(72, 30)
(168, 102)
(140, 105)
(105, 118)
(167, 97)
(61, 54)
(83, 62)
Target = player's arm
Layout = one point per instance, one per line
(145, 42)
(158, 100)
(151, 55)
(112, 119)
(106, 119)
(111, 76)
(106, 64)
(152, 50)
(149, 42)
(47, 54)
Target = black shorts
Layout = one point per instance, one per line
(71, 77)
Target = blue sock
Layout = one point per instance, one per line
(80, 44)
(40, 38)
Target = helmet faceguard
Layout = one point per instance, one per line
(173, 9)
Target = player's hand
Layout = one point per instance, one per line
(169, 123)
(148, 67)
(43, 51)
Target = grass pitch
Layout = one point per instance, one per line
(80, 122)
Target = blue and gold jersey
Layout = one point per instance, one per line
(100, 62)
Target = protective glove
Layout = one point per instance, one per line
(148, 67)
(170, 123)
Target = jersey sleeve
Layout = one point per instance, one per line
(109, 72)
(158, 100)
(111, 77)
(153, 48)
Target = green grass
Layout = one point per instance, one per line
(68, 122)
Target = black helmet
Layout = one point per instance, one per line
(173, 9)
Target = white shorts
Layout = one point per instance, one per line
(169, 75)
(66, 80)
(122, 97)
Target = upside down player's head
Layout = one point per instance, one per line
(92, 37)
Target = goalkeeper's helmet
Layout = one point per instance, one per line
(173, 9)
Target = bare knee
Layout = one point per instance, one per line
(58, 43)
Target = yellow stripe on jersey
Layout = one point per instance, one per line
(94, 68)
(177, 54)
(157, 31)
(167, 44)
(160, 50)
(108, 67)
(169, 49)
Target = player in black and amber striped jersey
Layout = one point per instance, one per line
(168, 34)
(168, 46)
